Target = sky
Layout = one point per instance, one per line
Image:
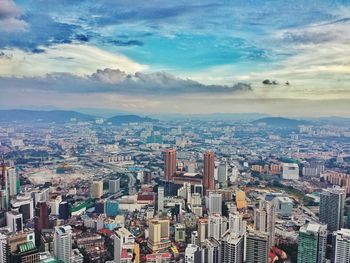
(278, 57)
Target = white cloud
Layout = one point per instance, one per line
(10, 17)
(72, 58)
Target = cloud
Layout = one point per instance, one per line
(76, 58)
(10, 17)
(115, 81)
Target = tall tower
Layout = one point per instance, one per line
(265, 219)
(160, 198)
(332, 208)
(63, 243)
(169, 163)
(341, 246)
(257, 247)
(209, 167)
(312, 243)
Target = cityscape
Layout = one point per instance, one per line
(174, 131)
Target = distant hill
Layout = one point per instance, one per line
(58, 116)
(281, 122)
(121, 119)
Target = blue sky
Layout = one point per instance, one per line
(177, 56)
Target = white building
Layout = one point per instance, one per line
(192, 254)
(215, 226)
(290, 171)
(160, 198)
(63, 243)
(341, 250)
(12, 181)
(14, 221)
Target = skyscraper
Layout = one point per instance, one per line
(169, 163)
(215, 203)
(232, 248)
(257, 250)
(12, 181)
(332, 208)
(341, 246)
(209, 167)
(41, 219)
(160, 198)
(97, 189)
(312, 243)
(215, 226)
(222, 174)
(114, 186)
(63, 243)
(265, 218)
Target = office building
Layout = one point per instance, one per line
(194, 238)
(208, 174)
(97, 189)
(265, 217)
(112, 207)
(257, 247)
(114, 186)
(169, 163)
(202, 229)
(63, 243)
(332, 208)
(215, 203)
(312, 243)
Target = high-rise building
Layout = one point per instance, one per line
(180, 234)
(14, 221)
(63, 211)
(341, 246)
(114, 186)
(97, 189)
(312, 243)
(211, 251)
(222, 174)
(232, 248)
(158, 238)
(202, 229)
(332, 202)
(208, 175)
(215, 226)
(41, 219)
(236, 223)
(194, 238)
(215, 203)
(13, 181)
(169, 163)
(124, 246)
(24, 204)
(160, 198)
(265, 218)
(63, 243)
(257, 247)
(3, 249)
(193, 254)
